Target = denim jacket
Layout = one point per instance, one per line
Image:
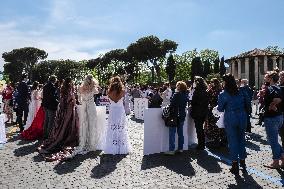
(229, 103)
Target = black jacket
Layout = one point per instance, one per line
(24, 94)
(179, 102)
(271, 93)
(50, 96)
(199, 105)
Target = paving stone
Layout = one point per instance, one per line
(22, 167)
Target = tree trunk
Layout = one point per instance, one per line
(153, 74)
(158, 71)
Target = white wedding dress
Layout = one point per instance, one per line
(91, 131)
(33, 107)
(117, 139)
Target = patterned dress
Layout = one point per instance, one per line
(7, 98)
(215, 136)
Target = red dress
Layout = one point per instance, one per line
(35, 131)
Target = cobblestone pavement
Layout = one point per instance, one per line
(22, 167)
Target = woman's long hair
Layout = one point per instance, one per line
(66, 87)
(89, 83)
(115, 85)
(201, 84)
(35, 85)
(230, 84)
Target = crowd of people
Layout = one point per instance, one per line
(65, 115)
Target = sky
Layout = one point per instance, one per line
(83, 29)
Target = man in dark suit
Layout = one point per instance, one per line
(49, 103)
(245, 88)
(22, 100)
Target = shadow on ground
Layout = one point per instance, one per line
(246, 181)
(258, 138)
(206, 161)
(136, 120)
(252, 146)
(70, 165)
(179, 163)
(281, 173)
(26, 150)
(107, 165)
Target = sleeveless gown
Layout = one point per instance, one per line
(91, 131)
(117, 139)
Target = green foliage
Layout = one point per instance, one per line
(183, 68)
(14, 71)
(171, 68)
(23, 60)
(275, 49)
(43, 70)
(196, 68)
(208, 55)
(216, 67)
(144, 61)
(207, 68)
(61, 68)
(150, 50)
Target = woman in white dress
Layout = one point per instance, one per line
(117, 140)
(90, 131)
(166, 95)
(35, 104)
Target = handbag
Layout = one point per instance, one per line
(220, 123)
(168, 116)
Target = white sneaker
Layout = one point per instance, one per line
(169, 153)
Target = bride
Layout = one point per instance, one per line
(117, 140)
(34, 105)
(91, 132)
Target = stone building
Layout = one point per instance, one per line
(253, 64)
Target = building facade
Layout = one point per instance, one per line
(253, 65)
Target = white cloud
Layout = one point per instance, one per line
(7, 25)
(60, 32)
(225, 34)
(73, 47)
(62, 10)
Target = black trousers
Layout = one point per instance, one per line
(248, 124)
(200, 131)
(22, 110)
